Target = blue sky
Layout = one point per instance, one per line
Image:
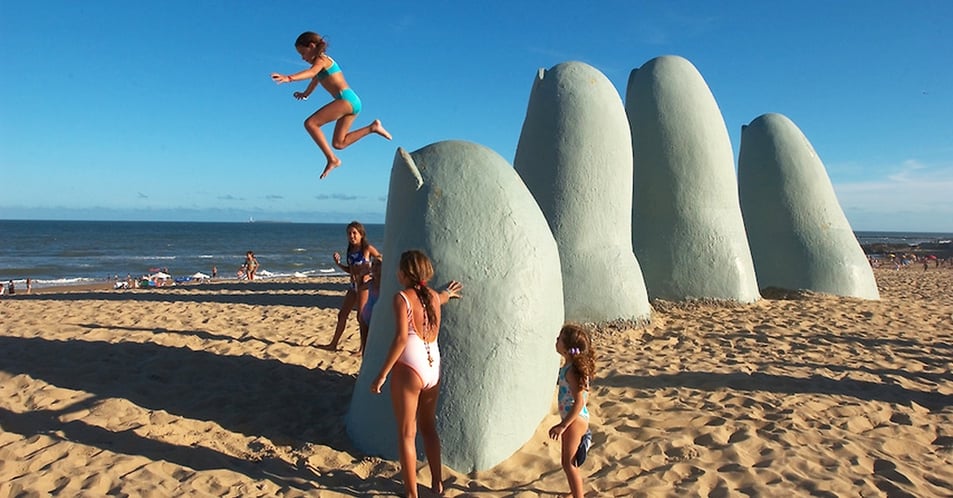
(165, 110)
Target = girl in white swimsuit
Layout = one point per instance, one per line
(422, 356)
(414, 361)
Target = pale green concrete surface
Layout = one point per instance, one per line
(479, 224)
(575, 155)
(687, 229)
(798, 233)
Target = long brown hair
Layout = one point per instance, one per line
(360, 229)
(577, 342)
(416, 266)
(309, 37)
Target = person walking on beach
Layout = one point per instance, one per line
(579, 365)
(359, 254)
(414, 360)
(344, 108)
(251, 265)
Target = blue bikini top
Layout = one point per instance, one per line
(328, 71)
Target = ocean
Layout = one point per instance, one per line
(54, 253)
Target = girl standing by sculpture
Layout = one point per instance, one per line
(373, 281)
(344, 108)
(577, 371)
(414, 360)
(359, 254)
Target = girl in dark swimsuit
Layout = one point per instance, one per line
(359, 253)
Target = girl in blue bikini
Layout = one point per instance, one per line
(343, 109)
(579, 366)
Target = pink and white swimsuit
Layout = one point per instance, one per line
(423, 358)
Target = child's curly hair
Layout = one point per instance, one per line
(576, 340)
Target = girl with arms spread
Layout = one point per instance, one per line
(344, 108)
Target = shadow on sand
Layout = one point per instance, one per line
(288, 404)
(817, 384)
(263, 293)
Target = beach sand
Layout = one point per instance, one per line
(219, 390)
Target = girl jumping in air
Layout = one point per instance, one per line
(344, 108)
(414, 360)
(578, 368)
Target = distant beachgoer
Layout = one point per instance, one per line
(11, 289)
(373, 281)
(29, 286)
(214, 271)
(2, 289)
(359, 253)
(579, 366)
(251, 265)
(344, 108)
(414, 360)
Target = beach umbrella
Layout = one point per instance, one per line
(160, 275)
(199, 275)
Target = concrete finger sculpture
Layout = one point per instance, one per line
(465, 206)
(687, 229)
(799, 236)
(575, 155)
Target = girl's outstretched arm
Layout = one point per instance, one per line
(307, 91)
(578, 404)
(319, 64)
(396, 347)
(453, 290)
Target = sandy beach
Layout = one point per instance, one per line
(219, 390)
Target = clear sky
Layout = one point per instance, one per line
(121, 110)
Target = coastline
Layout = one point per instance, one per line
(222, 388)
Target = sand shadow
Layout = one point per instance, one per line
(201, 334)
(784, 384)
(128, 442)
(254, 294)
(287, 404)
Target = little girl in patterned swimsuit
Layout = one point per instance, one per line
(343, 109)
(578, 368)
(414, 360)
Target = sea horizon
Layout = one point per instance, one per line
(76, 252)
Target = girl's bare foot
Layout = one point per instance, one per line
(437, 487)
(378, 128)
(331, 165)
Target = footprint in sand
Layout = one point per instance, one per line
(681, 454)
